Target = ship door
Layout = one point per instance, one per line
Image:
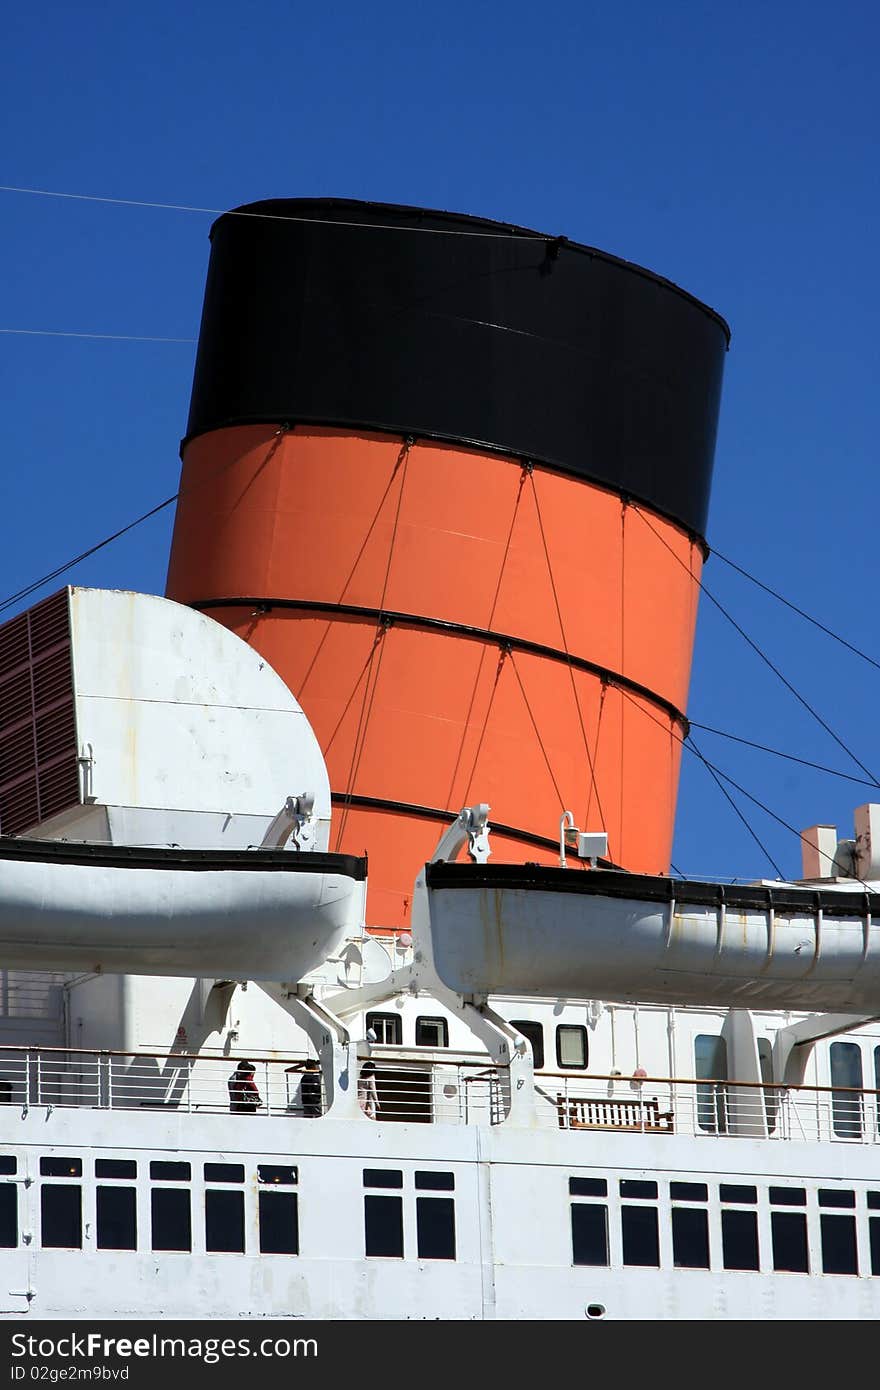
(404, 1094)
(17, 1234)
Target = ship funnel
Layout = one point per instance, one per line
(450, 477)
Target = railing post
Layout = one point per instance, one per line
(102, 1079)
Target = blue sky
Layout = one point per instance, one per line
(731, 149)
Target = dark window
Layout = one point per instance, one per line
(689, 1192)
(874, 1234)
(61, 1213)
(735, 1192)
(172, 1223)
(276, 1173)
(788, 1196)
(170, 1172)
(8, 1216)
(117, 1218)
(739, 1239)
(589, 1233)
(790, 1241)
(535, 1034)
(279, 1223)
(61, 1167)
(224, 1172)
(572, 1049)
(224, 1221)
(838, 1244)
(588, 1187)
(834, 1197)
(438, 1182)
(432, 1032)
(435, 1228)
(115, 1168)
(710, 1059)
(690, 1237)
(846, 1105)
(383, 1177)
(633, 1187)
(8, 1165)
(874, 1200)
(383, 1226)
(641, 1240)
(387, 1027)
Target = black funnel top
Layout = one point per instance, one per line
(433, 324)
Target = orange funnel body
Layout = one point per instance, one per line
(461, 621)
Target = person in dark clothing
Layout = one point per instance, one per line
(244, 1098)
(310, 1090)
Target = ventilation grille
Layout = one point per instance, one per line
(38, 770)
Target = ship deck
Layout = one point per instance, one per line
(439, 1086)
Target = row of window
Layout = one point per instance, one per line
(572, 1046)
(721, 1231)
(171, 1208)
(737, 1234)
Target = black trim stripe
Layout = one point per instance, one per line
(480, 446)
(142, 857)
(502, 640)
(435, 813)
(651, 888)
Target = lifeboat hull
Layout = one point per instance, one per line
(236, 914)
(569, 933)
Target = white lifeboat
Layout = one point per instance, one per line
(222, 914)
(529, 929)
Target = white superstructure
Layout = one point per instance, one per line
(596, 1094)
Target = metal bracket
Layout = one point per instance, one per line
(470, 826)
(295, 821)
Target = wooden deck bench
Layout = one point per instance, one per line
(638, 1116)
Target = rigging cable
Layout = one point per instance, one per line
(160, 506)
(382, 624)
(84, 555)
(777, 753)
(502, 657)
(272, 216)
(537, 732)
(357, 559)
(577, 703)
(720, 785)
(772, 814)
(691, 747)
(510, 529)
(103, 337)
(800, 612)
(775, 669)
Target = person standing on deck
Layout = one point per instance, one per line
(244, 1098)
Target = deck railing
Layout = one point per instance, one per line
(460, 1090)
(711, 1108)
(435, 1088)
(175, 1081)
